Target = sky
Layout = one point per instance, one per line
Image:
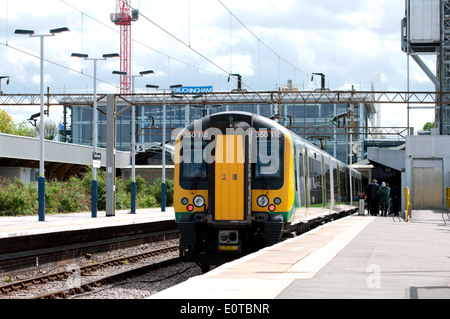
(198, 42)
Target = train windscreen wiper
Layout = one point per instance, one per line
(197, 175)
(263, 179)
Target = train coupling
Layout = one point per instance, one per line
(228, 242)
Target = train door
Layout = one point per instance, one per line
(306, 179)
(316, 179)
(300, 191)
(229, 178)
(334, 183)
(327, 181)
(300, 178)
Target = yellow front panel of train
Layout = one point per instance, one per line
(229, 179)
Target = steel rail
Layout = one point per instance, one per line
(86, 287)
(27, 283)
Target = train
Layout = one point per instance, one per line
(242, 181)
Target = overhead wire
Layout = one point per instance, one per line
(188, 45)
(84, 14)
(229, 73)
(55, 63)
(137, 41)
(260, 41)
(182, 42)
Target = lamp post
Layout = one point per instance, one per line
(41, 183)
(95, 155)
(163, 183)
(133, 137)
(7, 81)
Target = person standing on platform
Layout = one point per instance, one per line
(372, 197)
(384, 192)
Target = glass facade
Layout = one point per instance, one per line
(149, 122)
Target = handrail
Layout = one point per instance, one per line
(447, 197)
(407, 204)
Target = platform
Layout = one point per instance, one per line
(30, 225)
(26, 242)
(354, 257)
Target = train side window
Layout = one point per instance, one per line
(327, 188)
(296, 161)
(315, 175)
(301, 179)
(336, 183)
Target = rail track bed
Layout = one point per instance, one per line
(28, 252)
(136, 275)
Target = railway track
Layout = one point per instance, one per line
(91, 285)
(25, 253)
(72, 277)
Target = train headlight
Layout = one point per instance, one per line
(262, 201)
(199, 201)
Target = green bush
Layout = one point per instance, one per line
(16, 198)
(141, 185)
(74, 195)
(145, 201)
(155, 189)
(66, 197)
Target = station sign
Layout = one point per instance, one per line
(96, 156)
(96, 163)
(140, 148)
(194, 89)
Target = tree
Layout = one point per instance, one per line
(5, 122)
(50, 130)
(428, 126)
(8, 127)
(24, 130)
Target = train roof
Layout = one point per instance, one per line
(237, 119)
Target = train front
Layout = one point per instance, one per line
(233, 186)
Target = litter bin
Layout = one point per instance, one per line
(361, 207)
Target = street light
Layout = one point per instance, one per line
(133, 137)
(41, 183)
(204, 108)
(95, 155)
(7, 81)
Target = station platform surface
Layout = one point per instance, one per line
(354, 257)
(30, 225)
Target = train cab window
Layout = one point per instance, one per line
(268, 169)
(193, 167)
(193, 170)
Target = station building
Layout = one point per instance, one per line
(325, 125)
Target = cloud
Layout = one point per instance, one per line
(347, 41)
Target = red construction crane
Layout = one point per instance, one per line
(123, 17)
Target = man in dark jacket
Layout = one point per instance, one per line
(372, 197)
